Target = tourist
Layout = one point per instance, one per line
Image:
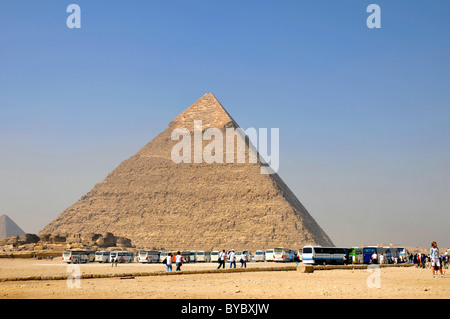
(244, 260)
(422, 261)
(435, 259)
(381, 259)
(232, 258)
(222, 257)
(114, 262)
(178, 261)
(374, 258)
(169, 262)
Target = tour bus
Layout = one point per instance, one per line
(102, 256)
(192, 257)
(281, 254)
(356, 256)
(259, 255)
(323, 255)
(270, 256)
(148, 256)
(368, 252)
(203, 256)
(122, 256)
(402, 255)
(215, 255)
(76, 256)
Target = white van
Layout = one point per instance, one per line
(122, 256)
(259, 255)
(102, 256)
(148, 256)
(215, 255)
(270, 255)
(203, 256)
(76, 256)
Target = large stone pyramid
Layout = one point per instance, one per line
(9, 228)
(158, 203)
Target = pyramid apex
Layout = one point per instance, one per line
(207, 109)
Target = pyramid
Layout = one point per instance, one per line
(159, 203)
(9, 228)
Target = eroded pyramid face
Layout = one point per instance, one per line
(158, 202)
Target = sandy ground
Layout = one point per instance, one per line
(393, 283)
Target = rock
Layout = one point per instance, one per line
(308, 269)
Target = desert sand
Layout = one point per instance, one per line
(395, 283)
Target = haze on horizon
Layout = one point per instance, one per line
(363, 114)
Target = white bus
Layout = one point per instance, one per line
(270, 255)
(122, 256)
(215, 255)
(102, 256)
(76, 256)
(260, 255)
(190, 256)
(148, 256)
(324, 255)
(203, 256)
(281, 254)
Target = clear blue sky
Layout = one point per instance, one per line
(363, 113)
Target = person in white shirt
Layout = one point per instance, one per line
(244, 259)
(381, 259)
(375, 258)
(222, 257)
(169, 262)
(232, 258)
(178, 261)
(435, 259)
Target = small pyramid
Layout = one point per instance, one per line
(9, 228)
(158, 203)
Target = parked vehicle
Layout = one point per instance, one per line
(215, 255)
(122, 256)
(77, 256)
(203, 256)
(102, 256)
(260, 255)
(148, 256)
(323, 255)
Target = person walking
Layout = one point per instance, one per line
(374, 258)
(222, 257)
(244, 259)
(435, 258)
(232, 258)
(178, 261)
(169, 262)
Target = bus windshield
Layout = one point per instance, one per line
(278, 250)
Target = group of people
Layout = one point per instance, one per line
(178, 261)
(433, 259)
(232, 259)
(382, 259)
